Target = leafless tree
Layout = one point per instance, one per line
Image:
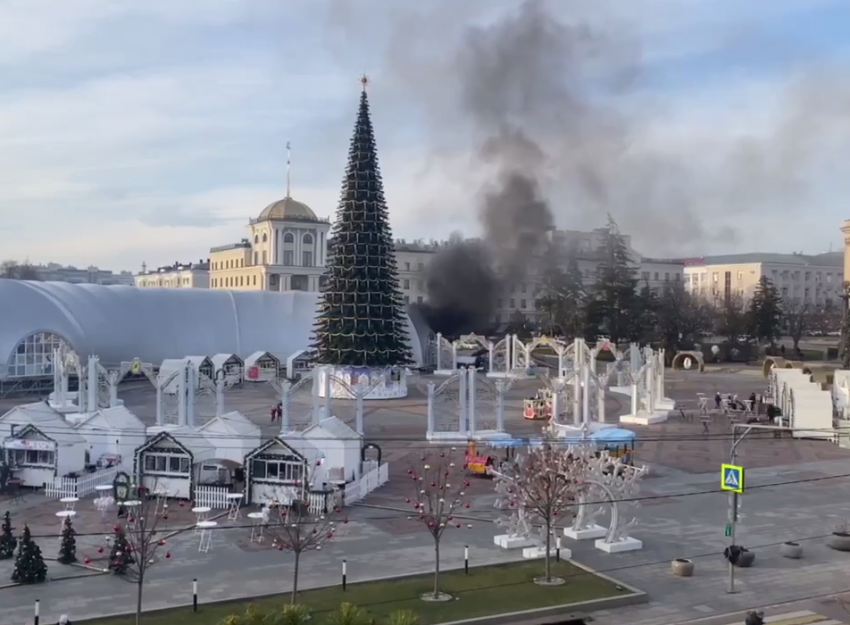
(798, 319)
(18, 271)
(540, 489)
(136, 544)
(299, 530)
(438, 491)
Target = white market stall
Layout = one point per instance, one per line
(261, 367)
(299, 363)
(341, 449)
(112, 434)
(810, 412)
(171, 461)
(230, 365)
(39, 445)
(234, 436)
(841, 392)
(277, 470)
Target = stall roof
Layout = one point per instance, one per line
(45, 420)
(234, 423)
(613, 435)
(331, 428)
(117, 418)
(218, 360)
(189, 439)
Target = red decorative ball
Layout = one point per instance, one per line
(167, 554)
(116, 529)
(131, 519)
(430, 525)
(161, 542)
(182, 504)
(164, 517)
(457, 525)
(467, 505)
(330, 534)
(442, 454)
(345, 520)
(116, 563)
(87, 560)
(100, 549)
(410, 471)
(433, 484)
(338, 510)
(407, 500)
(280, 548)
(466, 482)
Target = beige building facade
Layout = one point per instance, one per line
(286, 250)
(176, 276)
(813, 280)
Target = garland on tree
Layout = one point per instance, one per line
(121, 556)
(29, 563)
(68, 546)
(361, 318)
(8, 542)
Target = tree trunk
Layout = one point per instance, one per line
(295, 578)
(139, 589)
(436, 568)
(548, 549)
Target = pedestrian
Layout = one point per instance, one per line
(717, 400)
(64, 620)
(273, 412)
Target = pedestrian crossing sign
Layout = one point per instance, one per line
(732, 478)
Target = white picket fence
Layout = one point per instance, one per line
(370, 480)
(81, 486)
(214, 497)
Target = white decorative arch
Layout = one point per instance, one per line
(32, 356)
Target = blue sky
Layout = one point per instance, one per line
(147, 132)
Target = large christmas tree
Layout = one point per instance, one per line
(361, 319)
(29, 563)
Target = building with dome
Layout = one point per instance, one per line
(285, 250)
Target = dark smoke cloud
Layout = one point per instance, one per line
(548, 102)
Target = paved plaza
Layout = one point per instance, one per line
(684, 515)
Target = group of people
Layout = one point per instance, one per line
(277, 412)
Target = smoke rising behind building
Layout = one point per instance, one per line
(550, 108)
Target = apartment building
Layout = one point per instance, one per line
(175, 276)
(816, 280)
(54, 272)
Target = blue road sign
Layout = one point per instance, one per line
(732, 478)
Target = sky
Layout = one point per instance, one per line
(136, 132)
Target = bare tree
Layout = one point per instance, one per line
(300, 530)
(438, 491)
(541, 488)
(18, 271)
(798, 319)
(136, 543)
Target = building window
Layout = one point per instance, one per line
(644, 275)
(288, 258)
(265, 237)
(407, 266)
(421, 267)
(289, 238)
(513, 303)
(307, 239)
(167, 464)
(33, 356)
(256, 258)
(656, 276)
(299, 283)
(306, 258)
(406, 284)
(255, 280)
(407, 299)
(522, 287)
(277, 470)
(265, 257)
(419, 299)
(32, 458)
(522, 304)
(740, 275)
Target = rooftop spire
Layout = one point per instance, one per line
(288, 168)
(364, 81)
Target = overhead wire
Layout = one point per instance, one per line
(479, 519)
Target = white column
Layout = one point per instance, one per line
(491, 356)
(57, 378)
(317, 380)
(285, 407)
(635, 391)
(182, 419)
(219, 394)
(561, 362)
(556, 390)
(430, 410)
(191, 390)
(360, 394)
(454, 355)
(600, 408)
(585, 398)
(509, 353)
(328, 392)
(159, 402)
(439, 363)
(471, 393)
(578, 371)
(500, 406)
(92, 403)
(113, 389)
(463, 392)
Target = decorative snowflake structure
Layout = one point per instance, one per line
(539, 490)
(611, 484)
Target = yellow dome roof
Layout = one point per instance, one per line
(287, 208)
